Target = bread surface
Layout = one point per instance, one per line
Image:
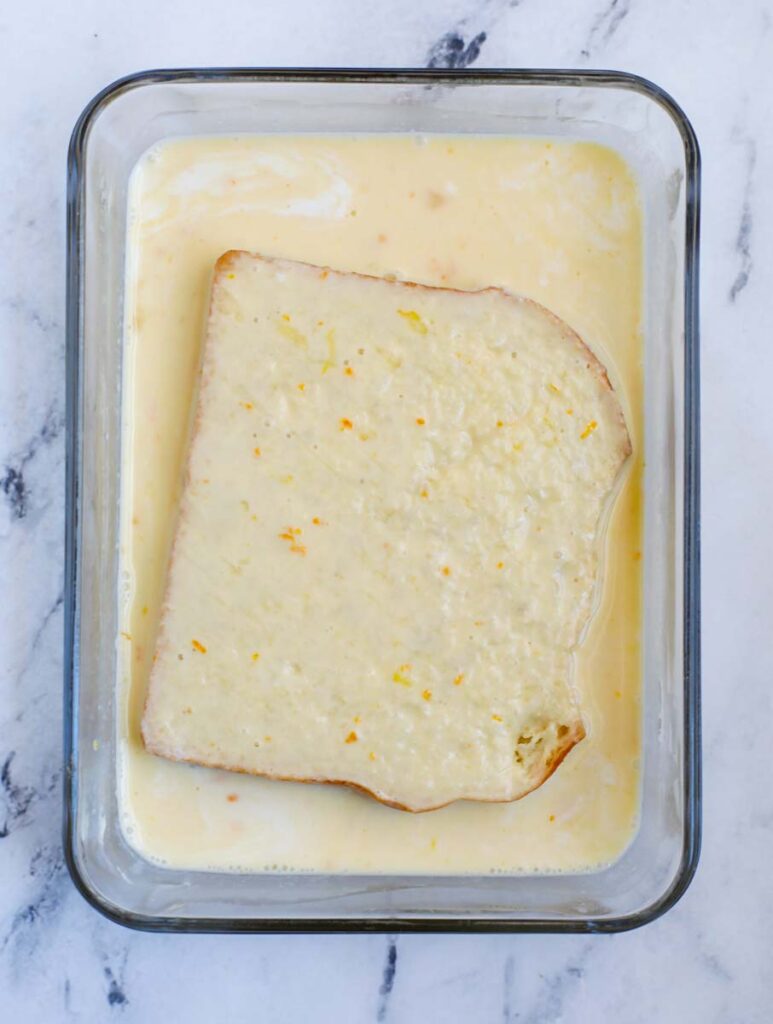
(388, 540)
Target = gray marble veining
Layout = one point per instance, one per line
(743, 239)
(604, 26)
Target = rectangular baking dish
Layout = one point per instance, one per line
(651, 132)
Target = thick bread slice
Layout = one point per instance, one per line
(388, 540)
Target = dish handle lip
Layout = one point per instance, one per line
(691, 482)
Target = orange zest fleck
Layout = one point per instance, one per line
(246, 405)
(232, 798)
(500, 565)
(256, 452)
(591, 426)
(401, 676)
(446, 570)
(554, 389)
(301, 387)
(292, 333)
(255, 655)
(348, 371)
(291, 535)
(424, 493)
(570, 412)
(317, 521)
(551, 817)
(497, 718)
(500, 423)
(459, 679)
(426, 694)
(414, 320)
(420, 421)
(197, 646)
(351, 738)
(371, 756)
(346, 424)
(330, 362)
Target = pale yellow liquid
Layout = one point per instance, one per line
(559, 222)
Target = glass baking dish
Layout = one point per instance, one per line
(622, 111)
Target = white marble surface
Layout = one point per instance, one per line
(709, 959)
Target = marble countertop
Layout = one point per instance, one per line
(707, 960)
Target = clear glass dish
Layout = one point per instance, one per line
(651, 132)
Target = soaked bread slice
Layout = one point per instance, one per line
(388, 541)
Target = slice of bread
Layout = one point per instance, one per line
(388, 540)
